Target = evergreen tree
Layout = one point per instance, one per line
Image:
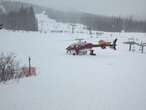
(24, 19)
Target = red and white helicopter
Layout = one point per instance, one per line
(82, 47)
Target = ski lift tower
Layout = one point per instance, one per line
(90, 31)
(131, 42)
(142, 45)
(72, 28)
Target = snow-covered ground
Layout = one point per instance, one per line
(111, 80)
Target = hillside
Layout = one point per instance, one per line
(94, 22)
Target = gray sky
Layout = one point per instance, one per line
(134, 8)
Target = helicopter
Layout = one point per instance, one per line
(82, 47)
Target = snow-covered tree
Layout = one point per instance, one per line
(9, 67)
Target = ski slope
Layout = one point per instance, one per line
(111, 80)
(46, 25)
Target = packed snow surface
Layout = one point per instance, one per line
(111, 80)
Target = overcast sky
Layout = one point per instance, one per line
(136, 8)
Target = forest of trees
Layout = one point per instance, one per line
(24, 19)
(114, 24)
